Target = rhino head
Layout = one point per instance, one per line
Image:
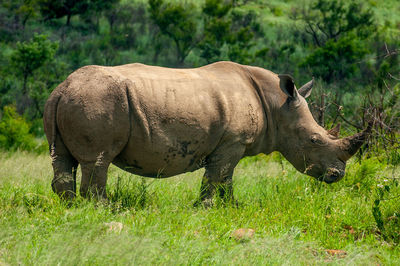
(312, 149)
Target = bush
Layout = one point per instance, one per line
(337, 59)
(386, 211)
(14, 133)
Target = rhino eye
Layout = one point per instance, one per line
(316, 140)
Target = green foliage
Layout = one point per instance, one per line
(339, 32)
(331, 19)
(379, 181)
(394, 157)
(361, 177)
(15, 132)
(51, 9)
(245, 27)
(217, 8)
(26, 60)
(385, 211)
(336, 59)
(29, 56)
(216, 31)
(14, 17)
(127, 22)
(228, 27)
(26, 9)
(177, 21)
(100, 5)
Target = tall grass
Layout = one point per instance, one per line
(296, 219)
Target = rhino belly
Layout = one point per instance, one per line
(174, 126)
(159, 168)
(162, 161)
(169, 149)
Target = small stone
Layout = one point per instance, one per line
(243, 234)
(114, 227)
(336, 252)
(350, 229)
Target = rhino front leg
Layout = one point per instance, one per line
(219, 171)
(215, 183)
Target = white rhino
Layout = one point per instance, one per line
(159, 122)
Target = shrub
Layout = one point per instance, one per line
(385, 210)
(337, 59)
(14, 132)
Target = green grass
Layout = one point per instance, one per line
(295, 218)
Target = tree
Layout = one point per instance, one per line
(96, 8)
(177, 21)
(244, 30)
(14, 15)
(27, 10)
(14, 131)
(216, 29)
(229, 28)
(339, 32)
(336, 59)
(51, 9)
(326, 20)
(28, 57)
(127, 22)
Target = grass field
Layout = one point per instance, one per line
(296, 219)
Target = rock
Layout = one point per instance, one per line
(336, 252)
(350, 229)
(243, 234)
(114, 227)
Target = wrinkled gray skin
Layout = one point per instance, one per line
(159, 122)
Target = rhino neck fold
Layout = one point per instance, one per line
(267, 138)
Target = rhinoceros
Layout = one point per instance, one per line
(160, 122)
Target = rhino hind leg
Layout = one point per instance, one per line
(94, 179)
(64, 167)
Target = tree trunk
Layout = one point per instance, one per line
(68, 19)
(23, 101)
(321, 115)
(24, 85)
(180, 55)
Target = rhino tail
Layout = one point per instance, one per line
(50, 120)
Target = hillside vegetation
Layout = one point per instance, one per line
(351, 47)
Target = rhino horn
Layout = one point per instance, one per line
(353, 143)
(335, 131)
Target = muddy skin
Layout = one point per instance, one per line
(159, 122)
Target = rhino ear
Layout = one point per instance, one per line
(287, 86)
(335, 131)
(306, 89)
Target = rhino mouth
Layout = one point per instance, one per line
(332, 175)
